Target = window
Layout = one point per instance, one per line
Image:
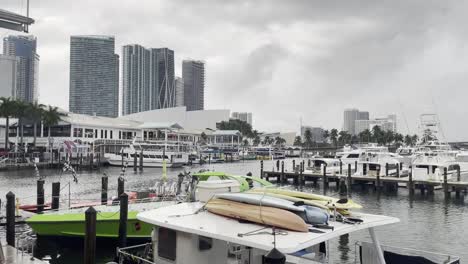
(102, 133)
(167, 243)
(353, 156)
(120, 134)
(77, 132)
(88, 133)
(95, 133)
(111, 134)
(105, 134)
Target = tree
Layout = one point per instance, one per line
(297, 141)
(279, 141)
(334, 136)
(236, 124)
(414, 140)
(51, 116)
(326, 135)
(245, 143)
(203, 138)
(34, 111)
(308, 138)
(389, 137)
(365, 136)
(344, 137)
(256, 140)
(7, 110)
(21, 109)
(377, 134)
(398, 139)
(408, 140)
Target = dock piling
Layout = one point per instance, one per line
(10, 219)
(410, 182)
(386, 169)
(90, 236)
(40, 196)
(341, 167)
(123, 220)
(282, 173)
(378, 184)
(294, 165)
(104, 186)
(446, 189)
(398, 170)
(325, 180)
(55, 195)
(355, 166)
(261, 169)
(141, 160)
(120, 186)
(301, 175)
(135, 162)
(349, 178)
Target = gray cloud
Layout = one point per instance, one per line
(284, 60)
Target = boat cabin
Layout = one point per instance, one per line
(185, 233)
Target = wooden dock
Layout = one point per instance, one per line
(379, 182)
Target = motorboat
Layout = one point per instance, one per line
(380, 163)
(331, 165)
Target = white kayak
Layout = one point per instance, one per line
(260, 199)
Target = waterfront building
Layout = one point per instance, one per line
(24, 48)
(349, 119)
(193, 74)
(166, 86)
(317, 133)
(8, 75)
(179, 84)
(388, 123)
(94, 76)
(243, 116)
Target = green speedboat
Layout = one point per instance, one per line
(246, 182)
(71, 223)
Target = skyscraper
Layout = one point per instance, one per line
(349, 119)
(243, 116)
(179, 86)
(8, 75)
(24, 48)
(193, 73)
(166, 85)
(94, 76)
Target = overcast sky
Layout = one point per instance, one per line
(283, 60)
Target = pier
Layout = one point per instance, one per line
(379, 182)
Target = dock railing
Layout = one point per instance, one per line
(138, 254)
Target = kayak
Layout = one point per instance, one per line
(265, 215)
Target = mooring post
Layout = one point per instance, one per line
(377, 185)
(90, 236)
(446, 189)
(91, 160)
(55, 195)
(294, 165)
(141, 160)
(386, 169)
(301, 175)
(120, 186)
(325, 180)
(261, 169)
(135, 162)
(355, 166)
(398, 170)
(104, 186)
(349, 177)
(81, 160)
(10, 219)
(457, 190)
(277, 165)
(341, 167)
(410, 182)
(364, 169)
(123, 220)
(40, 196)
(282, 172)
(308, 163)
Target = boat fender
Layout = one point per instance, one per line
(274, 257)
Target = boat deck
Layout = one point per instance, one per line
(187, 217)
(14, 256)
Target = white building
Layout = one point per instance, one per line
(179, 86)
(243, 116)
(349, 119)
(8, 75)
(388, 123)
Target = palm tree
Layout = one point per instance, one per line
(35, 111)
(408, 140)
(279, 141)
(256, 140)
(377, 134)
(344, 137)
(326, 135)
(365, 136)
(245, 143)
(414, 139)
(334, 136)
(21, 109)
(51, 116)
(7, 110)
(297, 141)
(308, 138)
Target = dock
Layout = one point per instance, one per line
(380, 182)
(12, 255)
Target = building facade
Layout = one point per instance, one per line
(193, 74)
(8, 75)
(166, 86)
(179, 85)
(243, 116)
(317, 133)
(24, 48)
(94, 76)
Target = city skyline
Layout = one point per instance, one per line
(398, 62)
(193, 75)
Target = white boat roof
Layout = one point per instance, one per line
(183, 217)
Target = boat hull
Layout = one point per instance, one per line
(146, 164)
(73, 225)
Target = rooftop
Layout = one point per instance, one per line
(184, 217)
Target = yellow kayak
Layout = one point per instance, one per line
(312, 199)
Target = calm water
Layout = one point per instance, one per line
(427, 222)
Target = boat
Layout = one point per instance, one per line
(198, 236)
(246, 182)
(317, 164)
(380, 163)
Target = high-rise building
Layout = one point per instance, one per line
(243, 116)
(349, 119)
(24, 48)
(179, 85)
(166, 86)
(388, 123)
(193, 73)
(8, 75)
(94, 76)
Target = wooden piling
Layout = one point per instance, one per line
(90, 236)
(135, 162)
(123, 220)
(308, 163)
(40, 196)
(398, 171)
(341, 167)
(355, 166)
(378, 184)
(325, 180)
(261, 169)
(364, 169)
(446, 189)
(277, 165)
(410, 182)
(282, 173)
(294, 165)
(81, 160)
(91, 160)
(386, 169)
(301, 175)
(349, 178)
(141, 160)
(120, 186)
(10, 219)
(104, 186)
(457, 190)
(55, 195)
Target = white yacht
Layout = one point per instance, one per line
(187, 234)
(317, 165)
(375, 163)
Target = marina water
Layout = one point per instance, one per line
(428, 223)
